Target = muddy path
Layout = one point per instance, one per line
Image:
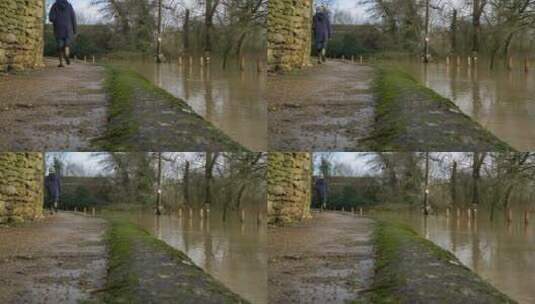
(327, 259)
(53, 108)
(325, 108)
(60, 259)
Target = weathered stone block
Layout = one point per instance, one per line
(289, 180)
(21, 34)
(21, 186)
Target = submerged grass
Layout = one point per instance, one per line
(136, 257)
(402, 257)
(124, 88)
(396, 113)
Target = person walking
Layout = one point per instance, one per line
(53, 188)
(321, 26)
(63, 18)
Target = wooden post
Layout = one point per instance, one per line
(361, 60)
(458, 212)
(447, 60)
(190, 60)
(509, 215)
(201, 60)
(180, 212)
(190, 212)
(75, 209)
(85, 210)
(352, 58)
(448, 212)
(242, 63)
(475, 60)
(242, 215)
(510, 63)
(526, 64)
(179, 60)
(93, 59)
(93, 211)
(259, 67)
(360, 211)
(526, 217)
(469, 61)
(201, 213)
(469, 213)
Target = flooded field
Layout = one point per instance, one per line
(500, 100)
(233, 252)
(230, 99)
(501, 253)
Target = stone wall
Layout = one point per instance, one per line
(21, 34)
(289, 187)
(289, 34)
(21, 186)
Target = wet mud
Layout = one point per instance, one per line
(53, 108)
(325, 108)
(60, 259)
(327, 259)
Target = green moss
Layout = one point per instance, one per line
(394, 90)
(391, 239)
(120, 282)
(124, 87)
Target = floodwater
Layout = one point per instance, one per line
(230, 99)
(500, 100)
(232, 252)
(501, 253)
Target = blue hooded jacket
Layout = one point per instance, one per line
(64, 20)
(321, 25)
(53, 186)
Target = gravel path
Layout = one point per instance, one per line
(327, 259)
(60, 259)
(52, 109)
(328, 107)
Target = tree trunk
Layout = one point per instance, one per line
(453, 183)
(208, 24)
(477, 161)
(159, 190)
(426, 185)
(208, 175)
(159, 37)
(186, 184)
(185, 31)
(453, 33)
(476, 23)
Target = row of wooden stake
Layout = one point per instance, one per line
(206, 61)
(472, 213)
(474, 60)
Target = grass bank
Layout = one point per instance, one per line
(143, 269)
(412, 117)
(410, 269)
(144, 117)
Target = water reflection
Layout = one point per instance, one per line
(233, 252)
(230, 99)
(500, 100)
(500, 252)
